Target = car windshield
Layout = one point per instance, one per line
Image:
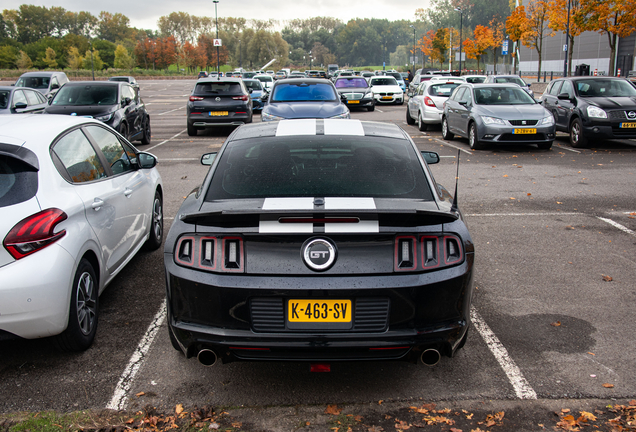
(443, 89)
(120, 79)
(502, 96)
(253, 84)
(78, 95)
(4, 98)
(514, 80)
(319, 166)
(386, 81)
(303, 92)
(249, 74)
(218, 88)
(475, 80)
(605, 88)
(264, 78)
(351, 83)
(36, 82)
(395, 75)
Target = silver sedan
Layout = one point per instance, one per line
(497, 114)
(78, 201)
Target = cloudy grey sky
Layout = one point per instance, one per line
(144, 14)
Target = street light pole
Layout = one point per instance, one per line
(216, 17)
(567, 44)
(413, 27)
(240, 55)
(461, 19)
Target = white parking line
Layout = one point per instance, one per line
(569, 149)
(165, 141)
(521, 386)
(617, 225)
(119, 400)
(451, 145)
(176, 109)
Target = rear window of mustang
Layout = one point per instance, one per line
(318, 167)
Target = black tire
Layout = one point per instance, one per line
(577, 139)
(446, 133)
(156, 224)
(420, 124)
(545, 146)
(146, 135)
(371, 108)
(409, 120)
(192, 131)
(123, 130)
(84, 311)
(473, 138)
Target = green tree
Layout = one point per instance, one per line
(97, 62)
(106, 51)
(74, 59)
(49, 59)
(114, 27)
(8, 57)
(23, 61)
(123, 60)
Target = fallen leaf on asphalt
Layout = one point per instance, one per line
(130, 421)
(214, 426)
(607, 385)
(237, 425)
(558, 202)
(591, 353)
(588, 415)
(512, 198)
(607, 278)
(455, 430)
(477, 430)
(376, 429)
(179, 409)
(519, 166)
(380, 402)
(307, 423)
(556, 324)
(140, 394)
(565, 410)
(358, 418)
(529, 194)
(333, 409)
(505, 175)
(569, 227)
(402, 425)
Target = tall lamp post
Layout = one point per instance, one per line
(566, 47)
(413, 27)
(461, 19)
(216, 18)
(240, 55)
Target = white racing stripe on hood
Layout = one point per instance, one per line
(300, 203)
(347, 127)
(347, 203)
(296, 127)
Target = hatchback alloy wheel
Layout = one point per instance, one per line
(86, 304)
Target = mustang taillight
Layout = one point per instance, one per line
(210, 253)
(434, 251)
(34, 233)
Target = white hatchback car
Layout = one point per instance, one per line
(426, 106)
(386, 90)
(78, 201)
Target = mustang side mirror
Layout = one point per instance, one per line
(430, 157)
(208, 158)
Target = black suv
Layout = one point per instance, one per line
(592, 108)
(218, 102)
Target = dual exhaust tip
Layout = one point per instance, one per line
(208, 358)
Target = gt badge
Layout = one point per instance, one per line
(318, 254)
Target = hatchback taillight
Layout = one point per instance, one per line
(195, 98)
(429, 102)
(210, 253)
(34, 233)
(434, 251)
(243, 98)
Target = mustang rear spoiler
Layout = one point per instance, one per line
(402, 217)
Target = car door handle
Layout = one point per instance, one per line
(97, 204)
(128, 192)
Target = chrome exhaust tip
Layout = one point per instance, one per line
(430, 357)
(207, 357)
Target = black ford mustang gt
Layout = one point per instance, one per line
(319, 240)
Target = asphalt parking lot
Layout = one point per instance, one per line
(553, 316)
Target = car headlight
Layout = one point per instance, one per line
(548, 121)
(105, 117)
(269, 117)
(493, 120)
(342, 116)
(369, 94)
(596, 112)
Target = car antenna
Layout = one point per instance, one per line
(454, 205)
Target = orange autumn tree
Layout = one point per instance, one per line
(558, 16)
(498, 34)
(538, 27)
(616, 18)
(482, 40)
(440, 46)
(516, 27)
(425, 44)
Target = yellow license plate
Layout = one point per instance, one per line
(354, 101)
(319, 311)
(218, 113)
(386, 97)
(628, 125)
(524, 131)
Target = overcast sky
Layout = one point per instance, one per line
(144, 14)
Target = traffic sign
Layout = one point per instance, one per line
(217, 42)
